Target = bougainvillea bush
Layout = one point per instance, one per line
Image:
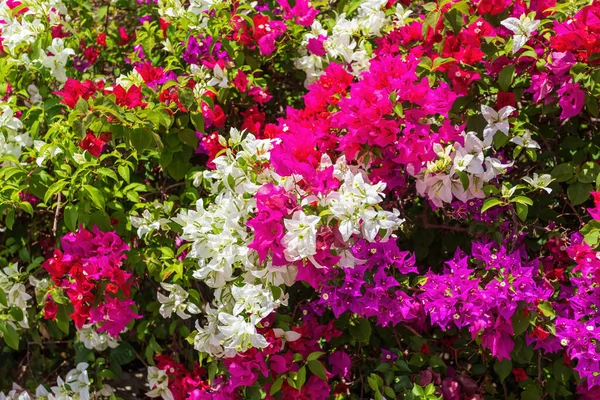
(286, 199)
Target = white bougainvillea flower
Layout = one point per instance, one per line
(8, 119)
(159, 382)
(219, 77)
(438, 188)
(57, 61)
(401, 14)
(496, 121)
(522, 29)
(175, 302)
(300, 240)
(525, 141)
(146, 223)
(470, 157)
(539, 181)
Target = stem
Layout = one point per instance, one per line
(56, 213)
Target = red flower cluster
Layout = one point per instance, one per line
(74, 89)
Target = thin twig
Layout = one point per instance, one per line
(54, 226)
(414, 332)
(539, 367)
(445, 227)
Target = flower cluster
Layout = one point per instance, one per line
(88, 270)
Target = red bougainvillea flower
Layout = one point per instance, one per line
(55, 266)
(123, 38)
(74, 89)
(129, 98)
(520, 374)
(92, 144)
(240, 81)
(101, 39)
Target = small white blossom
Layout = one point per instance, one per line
(522, 29)
(525, 141)
(539, 181)
(219, 77)
(57, 61)
(175, 302)
(300, 240)
(496, 121)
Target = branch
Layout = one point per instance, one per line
(54, 226)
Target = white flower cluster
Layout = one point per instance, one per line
(12, 139)
(94, 340)
(21, 30)
(353, 206)
(158, 380)
(231, 324)
(16, 296)
(459, 171)
(219, 239)
(196, 14)
(348, 40)
(75, 386)
(218, 233)
(176, 302)
(149, 222)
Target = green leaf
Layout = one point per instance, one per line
(589, 172)
(505, 78)
(124, 354)
(276, 387)
(317, 368)
(373, 384)
(562, 172)
(10, 218)
(353, 5)
(140, 139)
(592, 105)
(522, 200)
(108, 173)
(361, 330)
(522, 211)
(16, 313)
(546, 308)
(591, 232)
(96, 196)
(188, 136)
(418, 391)
(124, 172)
(314, 355)
(82, 106)
(579, 192)
(464, 179)
(503, 368)
(301, 378)
(489, 203)
(532, 392)
(197, 121)
(11, 337)
(53, 189)
(70, 217)
(389, 392)
(520, 323)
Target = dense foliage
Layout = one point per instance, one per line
(300, 200)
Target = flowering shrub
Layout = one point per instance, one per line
(299, 200)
